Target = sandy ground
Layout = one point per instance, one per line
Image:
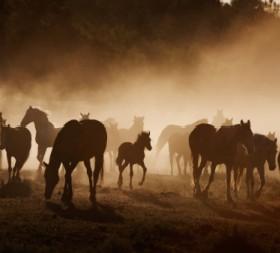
(160, 216)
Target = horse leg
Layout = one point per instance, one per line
(17, 169)
(99, 163)
(142, 164)
(198, 175)
(185, 165)
(235, 176)
(9, 159)
(262, 178)
(89, 173)
(131, 175)
(229, 168)
(178, 158)
(195, 169)
(40, 157)
(249, 176)
(67, 183)
(171, 155)
(239, 177)
(121, 169)
(210, 180)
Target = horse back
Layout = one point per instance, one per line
(80, 140)
(18, 141)
(201, 138)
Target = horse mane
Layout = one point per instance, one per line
(139, 137)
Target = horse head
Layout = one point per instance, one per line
(245, 135)
(145, 138)
(28, 117)
(271, 154)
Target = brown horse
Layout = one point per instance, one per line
(77, 141)
(45, 131)
(133, 153)
(218, 147)
(17, 143)
(265, 150)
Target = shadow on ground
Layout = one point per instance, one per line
(99, 213)
(16, 189)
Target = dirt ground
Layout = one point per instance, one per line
(160, 216)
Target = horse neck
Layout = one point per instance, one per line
(139, 145)
(41, 123)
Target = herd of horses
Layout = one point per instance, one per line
(200, 145)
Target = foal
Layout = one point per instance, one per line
(133, 153)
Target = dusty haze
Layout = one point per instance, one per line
(238, 74)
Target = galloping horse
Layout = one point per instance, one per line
(17, 143)
(133, 153)
(45, 131)
(218, 147)
(265, 150)
(77, 141)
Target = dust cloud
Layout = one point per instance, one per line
(239, 74)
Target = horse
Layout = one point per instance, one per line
(265, 150)
(17, 143)
(45, 131)
(130, 134)
(217, 147)
(177, 145)
(77, 141)
(170, 130)
(133, 153)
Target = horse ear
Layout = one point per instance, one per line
(149, 133)
(81, 114)
(88, 114)
(45, 164)
(275, 140)
(30, 107)
(241, 122)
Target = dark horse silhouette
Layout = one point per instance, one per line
(265, 149)
(218, 147)
(178, 146)
(77, 141)
(45, 131)
(133, 153)
(17, 143)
